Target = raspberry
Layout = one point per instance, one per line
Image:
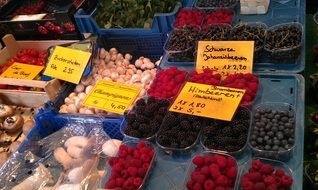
(254, 176)
(145, 165)
(124, 174)
(142, 172)
(257, 164)
(179, 78)
(120, 182)
(222, 181)
(137, 182)
(205, 170)
(271, 187)
(110, 184)
(230, 161)
(253, 86)
(132, 171)
(118, 167)
(269, 180)
(214, 171)
(287, 181)
(198, 161)
(112, 161)
(136, 154)
(248, 185)
(199, 178)
(221, 161)
(259, 186)
(197, 186)
(209, 160)
(145, 150)
(209, 185)
(190, 184)
(279, 172)
(145, 158)
(219, 188)
(267, 169)
(128, 185)
(231, 173)
(122, 153)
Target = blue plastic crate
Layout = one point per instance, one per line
(170, 171)
(48, 122)
(162, 23)
(280, 11)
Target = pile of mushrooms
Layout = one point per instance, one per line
(111, 66)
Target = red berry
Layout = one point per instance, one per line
(145, 165)
(259, 186)
(190, 184)
(271, 187)
(209, 160)
(254, 176)
(219, 188)
(124, 174)
(209, 185)
(253, 86)
(269, 180)
(230, 162)
(221, 161)
(267, 169)
(205, 170)
(197, 186)
(200, 178)
(279, 172)
(247, 185)
(132, 171)
(231, 173)
(141, 145)
(142, 172)
(145, 158)
(222, 181)
(120, 182)
(257, 164)
(137, 182)
(198, 161)
(286, 181)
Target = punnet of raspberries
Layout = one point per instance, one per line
(212, 172)
(167, 83)
(247, 81)
(189, 17)
(205, 77)
(130, 167)
(265, 176)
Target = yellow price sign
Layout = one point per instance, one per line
(208, 101)
(22, 71)
(225, 57)
(67, 64)
(112, 96)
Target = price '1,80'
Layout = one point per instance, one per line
(120, 107)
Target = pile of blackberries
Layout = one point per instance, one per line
(215, 3)
(145, 119)
(179, 130)
(273, 130)
(227, 136)
(216, 32)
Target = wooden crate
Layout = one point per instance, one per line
(21, 97)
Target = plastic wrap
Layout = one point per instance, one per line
(67, 159)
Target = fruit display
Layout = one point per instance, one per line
(230, 137)
(212, 171)
(178, 131)
(283, 42)
(247, 81)
(273, 131)
(262, 174)
(55, 29)
(146, 117)
(131, 14)
(111, 66)
(131, 167)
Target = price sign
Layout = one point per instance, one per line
(67, 64)
(22, 71)
(225, 57)
(208, 101)
(112, 96)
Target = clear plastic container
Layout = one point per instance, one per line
(284, 54)
(237, 153)
(203, 4)
(171, 150)
(279, 154)
(276, 164)
(192, 166)
(131, 143)
(250, 36)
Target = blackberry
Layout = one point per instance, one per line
(140, 102)
(144, 129)
(192, 118)
(162, 111)
(241, 141)
(140, 110)
(134, 133)
(142, 119)
(186, 125)
(151, 100)
(150, 109)
(158, 118)
(130, 118)
(243, 114)
(227, 131)
(164, 103)
(134, 125)
(170, 120)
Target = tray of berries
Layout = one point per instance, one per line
(132, 166)
(260, 173)
(44, 19)
(144, 120)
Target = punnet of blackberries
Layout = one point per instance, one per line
(229, 136)
(273, 130)
(215, 3)
(146, 117)
(179, 131)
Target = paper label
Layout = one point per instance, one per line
(22, 71)
(225, 57)
(67, 64)
(112, 96)
(208, 101)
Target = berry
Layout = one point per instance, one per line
(209, 185)
(145, 158)
(231, 173)
(190, 184)
(286, 181)
(132, 171)
(205, 170)
(222, 181)
(142, 172)
(259, 186)
(119, 182)
(267, 169)
(247, 185)
(254, 177)
(197, 177)
(279, 172)
(197, 186)
(257, 164)
(110, 184)
(221, 161)
(269, 180)
(137, 182)
(198, 161)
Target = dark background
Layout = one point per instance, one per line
(311, 6)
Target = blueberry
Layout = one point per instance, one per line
(270, 116)
(269, 142)
(288, 125)
(267, 147)
(281, 149)
(291, 114)
(274, 120)
(276, 142)
(284, 142)
(274, 129)
(261, 130)
(253, 143)
(253, 137)
(291, 140)
(263, 133)
(277, 117)
(280, 135)
(275, 147)
(284, 119)
(260, 140)
(287, 147)
(270, 133)
(257, 115)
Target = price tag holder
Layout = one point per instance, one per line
(208, 101)
(67, 64)
(225, 57)
(22, 71)
(112, 96)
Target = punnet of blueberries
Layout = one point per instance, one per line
(179, 131)
(227, 136)
(145, 119)
(273, 130)
(215, 3)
